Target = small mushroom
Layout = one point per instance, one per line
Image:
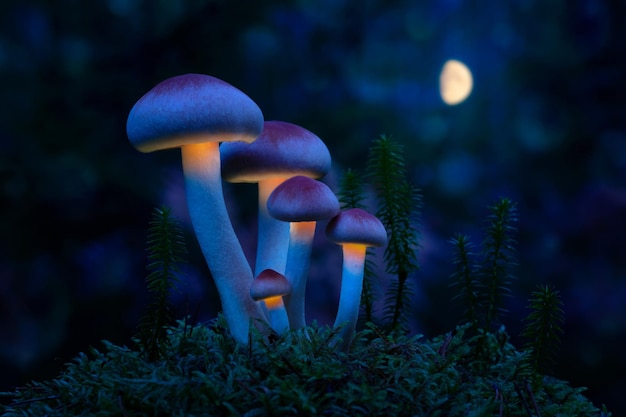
(355, 230)
(301, 201)
(195, 112)
(270, 287)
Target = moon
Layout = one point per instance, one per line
(455, 82)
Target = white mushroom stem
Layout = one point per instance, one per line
(276, 314)
(221, 248)
(351, 288)
(271, 252)
(273, 238)
(298, 261)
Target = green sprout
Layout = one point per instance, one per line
(544, 326)
(399, 205)
(166, 250)
(499, 257)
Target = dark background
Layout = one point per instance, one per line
(545, 125)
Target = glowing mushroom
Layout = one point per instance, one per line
(355, 230)
(270, 287)
(195, 112)
(283, 150)
(302, 201)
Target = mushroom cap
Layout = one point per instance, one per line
(282, 150)
(356, 226)
(302, 199)
(189, 109)
(269, 283)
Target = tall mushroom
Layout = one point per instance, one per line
(269, 287)
(195, 112)
(283, 150)
(301, 201)
(355, 230)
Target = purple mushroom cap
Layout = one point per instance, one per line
(302, 199)
(269, 283)
(356, 226)
(192, 108)
(282, 150)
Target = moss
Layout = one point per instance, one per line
(204, 372)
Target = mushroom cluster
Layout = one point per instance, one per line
(197, 113)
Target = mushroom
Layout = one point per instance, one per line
(301, 201)
(269, 287)
(355, 230)
(195, 112)
(283, 150)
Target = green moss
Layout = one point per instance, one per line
(399, 205)
(544, 326)
(166, 250)
(204, 372)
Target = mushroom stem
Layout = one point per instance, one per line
(221, 248)
(273, 238)
(350, 297)
(298, 261)
(277, 314)
(271, 253)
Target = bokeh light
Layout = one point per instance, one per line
(455, 82)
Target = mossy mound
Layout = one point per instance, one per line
(205, 373)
